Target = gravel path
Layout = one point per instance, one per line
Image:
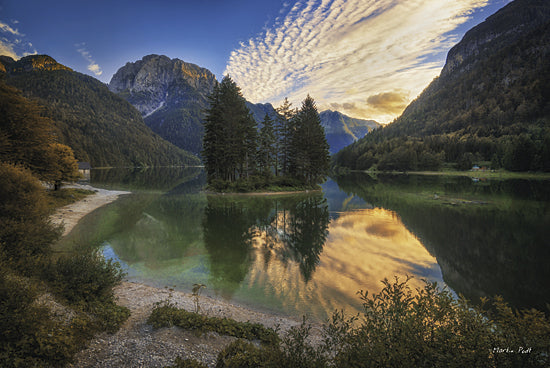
(137, 344)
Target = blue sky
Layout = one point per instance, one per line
(366, 58)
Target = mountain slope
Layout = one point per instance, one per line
(491, 102)
(101, 127)
(170, 94)
(341, 130)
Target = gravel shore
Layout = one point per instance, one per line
(137, 344)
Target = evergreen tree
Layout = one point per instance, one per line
(267, 148)
(309, 153)
(229, 146)
(284, 132)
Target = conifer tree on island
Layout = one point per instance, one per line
(229, 143)
(309, 155)
(290, 152)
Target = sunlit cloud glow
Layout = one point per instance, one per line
(372, 56)
(92, 65)
(12, 42)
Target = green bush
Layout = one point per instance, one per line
(186, 363)
(26, 233)
(430, 328)
(30, 337)
(85, 278)
(400, 327)
(243, 354)
(167, 314)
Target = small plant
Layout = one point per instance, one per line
(166, 315)
(186, 363)
(197, 289)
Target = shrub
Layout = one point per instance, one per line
(30, 338)
(186, 363)
(167, 314)
(431, 328)
(400, 327)
(85, 278)
(26, 233)
(243, 354)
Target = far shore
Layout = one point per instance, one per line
(263, 193)
(137, 342)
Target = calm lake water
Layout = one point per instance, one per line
(311, 253)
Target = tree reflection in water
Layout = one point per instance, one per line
(291, 228)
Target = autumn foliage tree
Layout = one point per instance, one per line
(27, 139)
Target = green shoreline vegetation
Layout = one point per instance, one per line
(398, 327)
(33, 279)
(476, 174)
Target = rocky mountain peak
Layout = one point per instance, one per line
(30, 63)
(500, 29)
(156, 81)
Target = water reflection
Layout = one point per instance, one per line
(290, 229)
(297, 254)
(490, 238)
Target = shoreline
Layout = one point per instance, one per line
(262, 193)
(137, 343)
(69, 215)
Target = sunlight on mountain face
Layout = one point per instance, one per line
(374, 49)
(363, 247)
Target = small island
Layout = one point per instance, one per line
(287, 153)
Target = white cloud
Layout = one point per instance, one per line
(92, 65)
(13, 42)
(345, 51)
(8, 29)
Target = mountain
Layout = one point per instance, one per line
(491, 103)
(259, 111)
(171, 96)
(99, 126)
(341, 130)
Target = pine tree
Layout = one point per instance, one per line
(309, 150)
(267, 148)
(229, 146)
(284, 132)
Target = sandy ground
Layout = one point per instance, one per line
(137, 344)
(70, 215)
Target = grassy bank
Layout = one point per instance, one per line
(480, 174)
(66, 196)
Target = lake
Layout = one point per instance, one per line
(310, 253)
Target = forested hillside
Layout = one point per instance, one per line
(490, 104)
(98, 125)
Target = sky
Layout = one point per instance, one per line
(365, 58)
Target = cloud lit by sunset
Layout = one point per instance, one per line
(368, 59)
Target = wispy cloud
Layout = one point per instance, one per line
(12, 41)
(372, 56)
(8, 29)
(92, 65)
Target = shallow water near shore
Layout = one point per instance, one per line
(309, 253)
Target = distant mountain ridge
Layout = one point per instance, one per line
(172, 96)
(98, 125)
(342, 130)
(491, 103)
